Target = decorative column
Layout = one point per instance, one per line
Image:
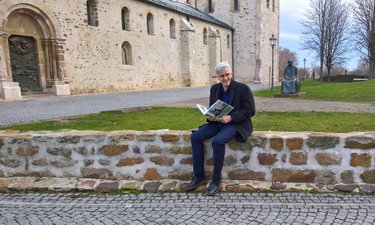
(53, 72)
(9, 90)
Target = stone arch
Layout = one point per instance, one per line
(29, 21)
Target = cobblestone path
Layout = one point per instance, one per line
(183, 208)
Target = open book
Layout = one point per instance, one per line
(217, 110)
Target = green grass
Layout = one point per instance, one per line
(363, 92)
(189, 118)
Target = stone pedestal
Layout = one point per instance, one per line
(10, 90)
(61, 89)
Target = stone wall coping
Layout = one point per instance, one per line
(101, 185)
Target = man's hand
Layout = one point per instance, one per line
(226, 119)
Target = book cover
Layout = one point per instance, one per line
(217, 110)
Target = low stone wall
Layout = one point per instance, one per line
(342, 161)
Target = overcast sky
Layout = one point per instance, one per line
(291, 12)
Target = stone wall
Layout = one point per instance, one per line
(343, 160)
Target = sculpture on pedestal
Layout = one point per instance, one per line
(290, 83)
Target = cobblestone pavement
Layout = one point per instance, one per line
(183, 208)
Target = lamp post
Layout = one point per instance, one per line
(273, 43)
(304, 68)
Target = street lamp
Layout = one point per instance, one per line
(304, 68)
(273, 43)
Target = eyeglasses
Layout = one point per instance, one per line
(226, 75)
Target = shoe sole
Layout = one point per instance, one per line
(199, 184)
(214, 193)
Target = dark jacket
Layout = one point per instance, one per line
(242, 100)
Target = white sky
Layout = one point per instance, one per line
(291, 12)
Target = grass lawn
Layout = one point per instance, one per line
(363, 91)
(190, 118)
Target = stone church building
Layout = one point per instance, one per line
(87, 46)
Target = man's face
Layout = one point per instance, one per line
(225, 77)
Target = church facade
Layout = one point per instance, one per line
(89, 46)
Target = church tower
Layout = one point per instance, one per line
(254, 22)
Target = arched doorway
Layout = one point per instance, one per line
(31, 51)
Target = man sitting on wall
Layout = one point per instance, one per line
(236, 124)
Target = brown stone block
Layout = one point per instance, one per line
(181, 175)
(62, 164)
(298, 158)
(297, 176)
(153, 149)
(294, 143)
(152, 174)
(66, 152)
(321, 141)
(4, 182)
(152, 186)
(98, 173)
(112, 150)
(186, 161)
(360, 160)
(249, 144)
(326, 177)
(358, 142)
(327, 159)
(181, 150)
(146, 137)
(239, 188)
(40, 162)
(229, 160)
(187, 136)
(116, 138)
(130, 161)
(210, 162)
(12, 163)
(246, 174)
(107, 186)
(368, 176)
(278, 186)
(30, 151)
(345, 187)
(267, 158)
(276, 143)
(245, 159)
(162, 160)
(68, 139)
(347, 177)
(170, 137)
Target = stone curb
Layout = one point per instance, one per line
(103, 186)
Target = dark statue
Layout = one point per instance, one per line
(290, 84)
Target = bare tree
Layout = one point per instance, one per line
(325, 32)
(284, 56)
(364, 31)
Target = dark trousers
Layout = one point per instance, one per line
(222, 134)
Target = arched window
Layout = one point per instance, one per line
(127, 56)
(210, 6)
(236, 6)
(228, 41)
(273, 5)
(125, 20)
(205, 37)
(92, 13)
(150, 24)
(172, 28)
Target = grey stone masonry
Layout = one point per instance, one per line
(161, 160)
